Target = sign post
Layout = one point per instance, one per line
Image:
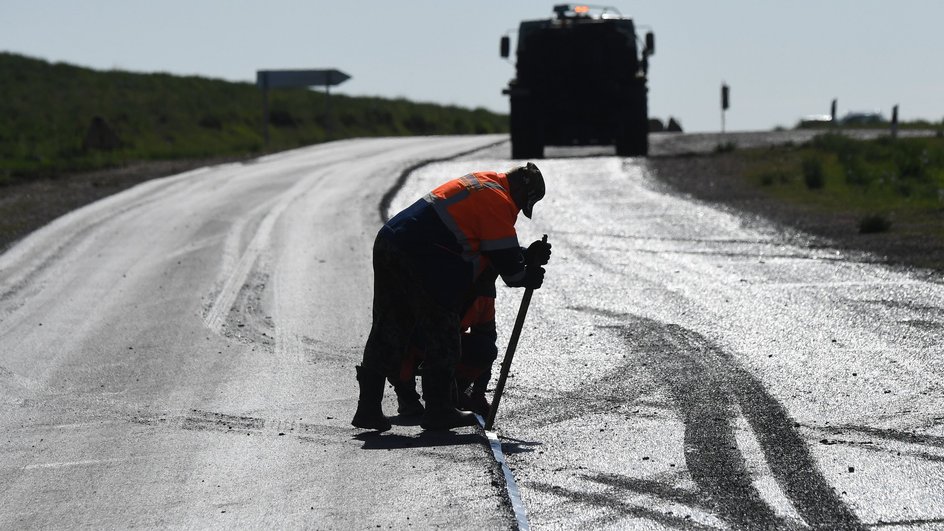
(267, 79)
(725, 102)
(895, 121)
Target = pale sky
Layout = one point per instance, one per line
(782, 60)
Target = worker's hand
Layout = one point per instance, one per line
(538, 253)
(534, 277)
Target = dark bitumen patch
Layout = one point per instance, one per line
(212, 421)
(247, 321)
(892, 435)
(618, 509)
(707, 388)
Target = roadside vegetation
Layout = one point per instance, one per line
(70, 136)
(883, 196)
(59, 118)
(885, 183)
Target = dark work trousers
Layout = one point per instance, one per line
(403, 307)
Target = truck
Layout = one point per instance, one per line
(580, 79)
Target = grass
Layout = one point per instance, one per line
(60, 119)
(886, 184)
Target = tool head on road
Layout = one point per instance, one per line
(527, 187)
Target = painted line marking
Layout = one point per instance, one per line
(521, 514)
(63, 464)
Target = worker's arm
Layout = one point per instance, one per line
(512, 264)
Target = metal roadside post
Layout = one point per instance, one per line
(832, 114)
(894, 125)
(510, 353)
(725, 102)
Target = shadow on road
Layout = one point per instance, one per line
(428, 439)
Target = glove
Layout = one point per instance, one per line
(538, 253)
(534, 277)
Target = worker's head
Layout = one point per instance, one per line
(527, 187)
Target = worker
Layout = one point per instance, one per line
(479, 350)
(478, 353)
(426, 260)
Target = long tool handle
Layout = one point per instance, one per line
(510, 353)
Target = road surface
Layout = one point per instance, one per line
(182, 354)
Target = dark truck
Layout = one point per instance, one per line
(580, 80)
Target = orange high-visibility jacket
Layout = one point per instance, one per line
(456, 230)
(480, 212)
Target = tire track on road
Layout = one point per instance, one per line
(219, 310)
(708, 389)
(711, 394)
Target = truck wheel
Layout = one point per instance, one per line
(526, 131)
(526, 148)
(633, 137)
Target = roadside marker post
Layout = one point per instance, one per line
(725, 102)
(894, 131)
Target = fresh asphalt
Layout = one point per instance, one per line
(181, 355)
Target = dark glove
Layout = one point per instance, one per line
(534, 277)
(538, 253)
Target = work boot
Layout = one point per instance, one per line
(441, 412)
(470, 398)
(408, 400)
(475, 402)
(369, 415)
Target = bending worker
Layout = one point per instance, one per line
(426, 260)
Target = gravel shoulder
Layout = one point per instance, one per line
(718, 179)
(28, 206)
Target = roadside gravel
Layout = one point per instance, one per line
(28, 206)
(717, 179)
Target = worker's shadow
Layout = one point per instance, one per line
(517, 446)
(374, 440)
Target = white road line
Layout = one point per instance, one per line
(517, 505)
(63, 464)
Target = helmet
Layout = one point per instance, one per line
(530, 182)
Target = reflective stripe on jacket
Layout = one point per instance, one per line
(449, 233)
(479, 211)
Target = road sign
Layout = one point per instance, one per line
(299, 78)
(267, 79)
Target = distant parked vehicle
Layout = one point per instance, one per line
(863, 118)
(814, 121)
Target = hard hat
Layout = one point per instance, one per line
(532, 182)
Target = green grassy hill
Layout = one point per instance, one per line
(59, 118)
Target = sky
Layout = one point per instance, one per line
(782, 60)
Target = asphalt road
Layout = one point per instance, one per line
(181, 355)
